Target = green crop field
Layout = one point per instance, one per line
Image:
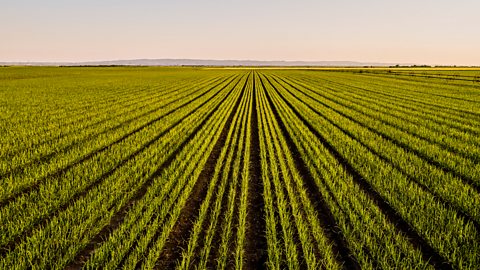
(214, 168)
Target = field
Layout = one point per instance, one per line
(163, 168)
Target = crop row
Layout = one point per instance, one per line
(389, 181)
(31, 219)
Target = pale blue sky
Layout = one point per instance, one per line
(408, 31)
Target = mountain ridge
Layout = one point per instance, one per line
(204, 62)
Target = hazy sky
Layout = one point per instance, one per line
(407, 31)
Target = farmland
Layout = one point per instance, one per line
(164, 168)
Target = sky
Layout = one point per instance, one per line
(430, 32)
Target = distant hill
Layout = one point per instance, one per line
(204, 62)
